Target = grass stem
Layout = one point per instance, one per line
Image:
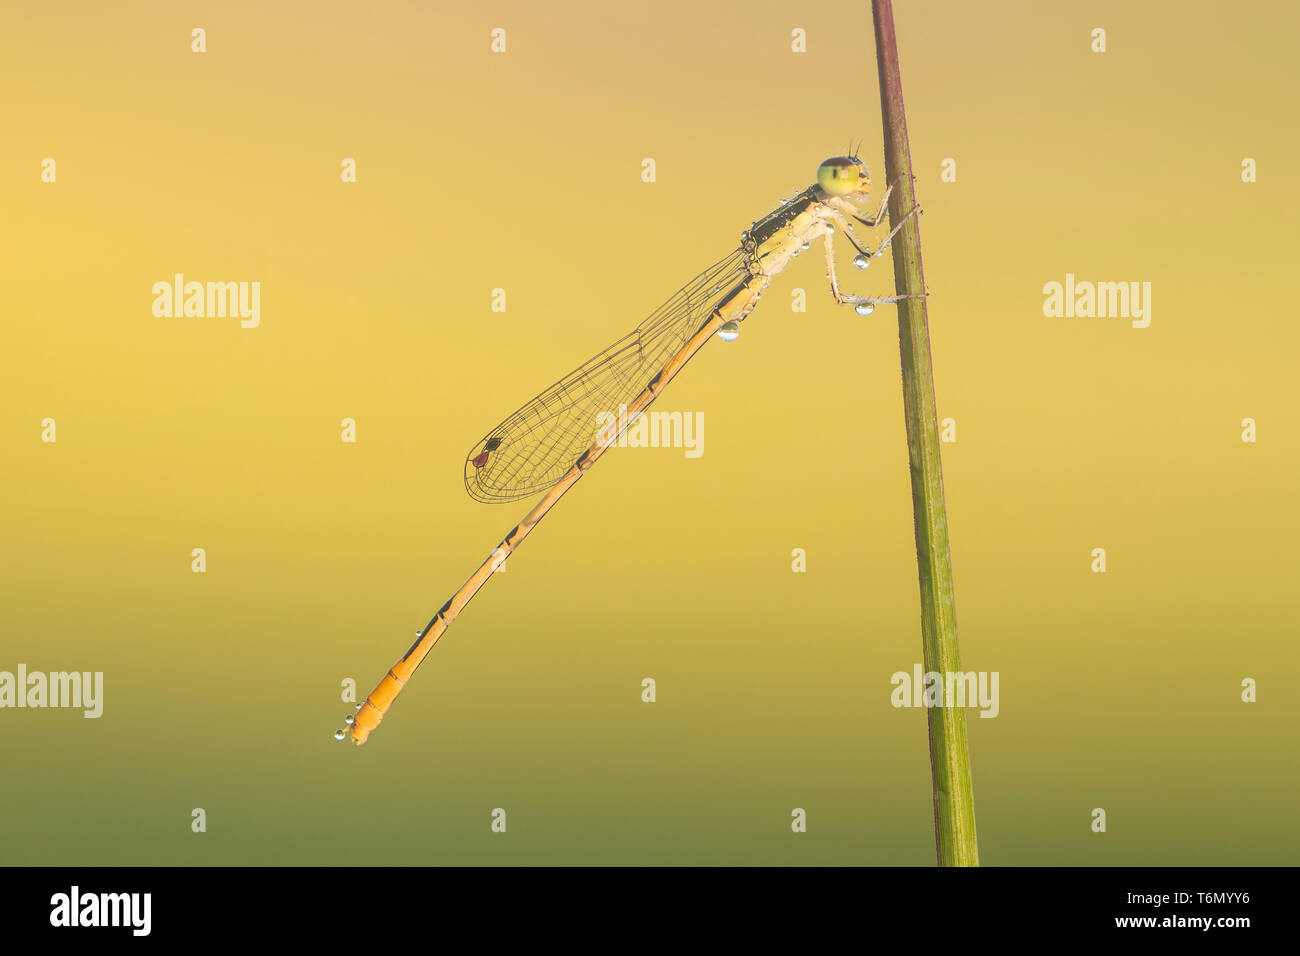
(954, 804)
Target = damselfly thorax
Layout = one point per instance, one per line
(771, 242)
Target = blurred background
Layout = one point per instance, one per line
(522, 171)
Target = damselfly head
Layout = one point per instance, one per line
(844, 176)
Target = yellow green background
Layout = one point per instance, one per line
(522, 171)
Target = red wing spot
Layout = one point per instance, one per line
(480, 461)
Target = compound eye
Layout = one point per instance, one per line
(839, 176)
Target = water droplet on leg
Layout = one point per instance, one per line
(861, 261)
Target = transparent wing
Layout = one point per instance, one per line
(532, 449)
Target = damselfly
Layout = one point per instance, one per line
(555, 439)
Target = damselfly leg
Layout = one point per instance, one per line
(864, 305)
(842, 208)
(854, 211)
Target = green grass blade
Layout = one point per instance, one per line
(954, 803)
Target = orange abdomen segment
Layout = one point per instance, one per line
(376, 705)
